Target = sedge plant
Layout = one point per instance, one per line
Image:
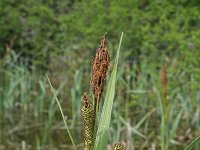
(95, 130)
(96, 120)
(165, 110)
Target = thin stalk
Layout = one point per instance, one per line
(96, 118)
(165, 110)
(191, 145)
(70, 135)
(165, 135)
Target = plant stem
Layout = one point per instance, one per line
(63, 116)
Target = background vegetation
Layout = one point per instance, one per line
(60, 37)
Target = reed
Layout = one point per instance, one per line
(165, 110)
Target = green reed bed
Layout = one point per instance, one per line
(96, 125)
(135, 109)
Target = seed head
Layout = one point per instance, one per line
(85, 100)
(163, 75)
(99, 69)
(87, 113)
(164, 91)
(163, 79)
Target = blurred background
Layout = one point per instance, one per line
(60, 37)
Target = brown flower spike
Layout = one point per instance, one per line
(164, 81)
(164, 91)
(99, 70)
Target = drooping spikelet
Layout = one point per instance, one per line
(87, 112)
(99, 70)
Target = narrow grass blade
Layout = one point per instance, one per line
(70, 135)
(193, 143)
(176, 124)
(103, 127)
(144, 118)
(133, 129)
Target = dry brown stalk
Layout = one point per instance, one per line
(99, 70)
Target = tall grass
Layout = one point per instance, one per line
(63, 116)
(27, 111)
(29, 115)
